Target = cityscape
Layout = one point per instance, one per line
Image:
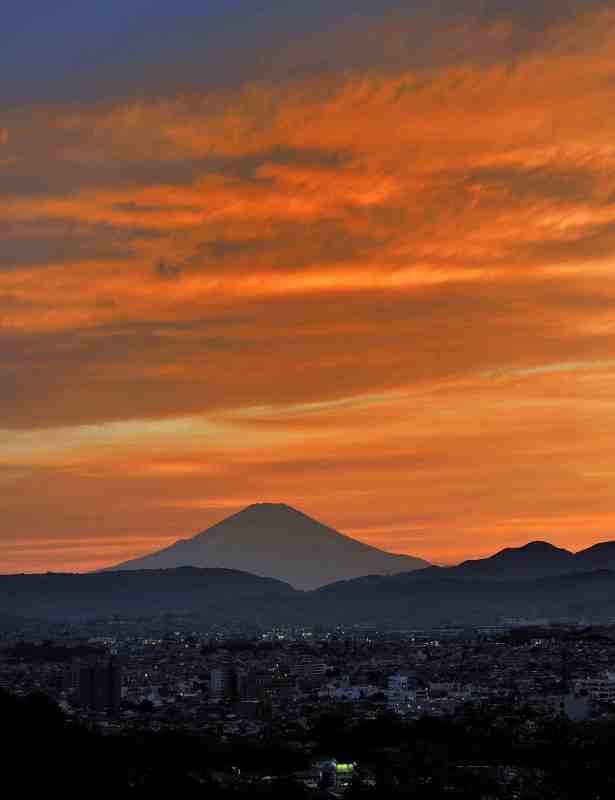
(220, 672)
(300, 711)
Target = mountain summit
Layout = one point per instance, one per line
(277, 541)
(535, 560)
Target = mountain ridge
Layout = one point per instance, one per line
(276, 540)
(535, 580)
(230, 597)
(537, 558)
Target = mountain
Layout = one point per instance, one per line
(598, 556)
(436, 597)
(220, 596)
(223, 597)
(277, 541)
(536, 580)
(534, 560)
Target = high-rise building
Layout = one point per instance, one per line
(223, 678)
(310, 671)
(398, 682)
(254, 684)
(223, 682)
(100, 685)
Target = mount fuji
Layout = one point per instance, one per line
(276, 541)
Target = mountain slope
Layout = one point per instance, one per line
(534, 559)
(220, 596)
(277, 541)
(598, 556)
(435, 597)
(228, 597)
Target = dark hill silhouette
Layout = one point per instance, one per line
(219, 595)
(277, 541)
(598, 556)
(536, 559)
(532, 560)
(436, 597)
(537, 580)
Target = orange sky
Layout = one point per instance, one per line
(380, 291)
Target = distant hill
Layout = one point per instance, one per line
(219, 595)
(277, 541)
(536, 580)
(598, 556)
(536, 559)
(436, 597)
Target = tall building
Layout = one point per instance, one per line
(398, 682)
(253, 684)
(223, 683)
(223, 678)
(100, 686)
(310, 671)
(600, 689)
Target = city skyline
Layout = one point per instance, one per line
(356, 260)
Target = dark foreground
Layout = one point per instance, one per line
(480, 754)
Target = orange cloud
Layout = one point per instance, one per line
(383, 295)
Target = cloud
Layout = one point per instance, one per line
(167, 271)
(86, 54)
(313, 275)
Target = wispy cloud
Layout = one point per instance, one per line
(385, 258)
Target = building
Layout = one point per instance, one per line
(100, 685)
(223, 683)
(335, 774)
(310, 671)
(223, 678)
(600, 689)
(254, 684)
(398, 683)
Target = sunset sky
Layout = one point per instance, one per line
(357, 257)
